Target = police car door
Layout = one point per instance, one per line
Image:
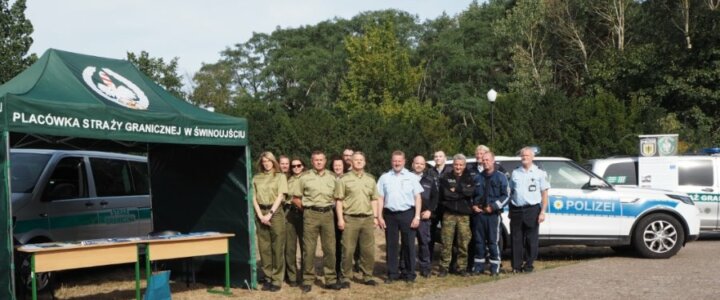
(576, 210)
(697, 176)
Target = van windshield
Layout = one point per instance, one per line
(25, 168)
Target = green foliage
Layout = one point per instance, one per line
(164, 74)
(15, 40)
(213, 86)
(379, 69)
(576, 78)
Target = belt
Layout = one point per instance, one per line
(524, 206)
(385, 210)
(359, 215)
(290, 206)
(319, 209)
(265, 206)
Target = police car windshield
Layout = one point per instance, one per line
(25, 168)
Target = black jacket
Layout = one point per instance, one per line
(430, 193)
(457, 193)
(432, 171)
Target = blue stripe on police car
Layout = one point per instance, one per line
(603, 207)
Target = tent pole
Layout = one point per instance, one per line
(8, 200)
(251, 218)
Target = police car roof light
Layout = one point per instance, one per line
(712, 151)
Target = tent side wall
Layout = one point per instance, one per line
(204, 188)
(7, 267)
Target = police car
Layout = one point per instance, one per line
(584, 209)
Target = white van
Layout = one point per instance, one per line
(697, 175)
(63, 195)
(583, 209)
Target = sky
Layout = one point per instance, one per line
(194, 31)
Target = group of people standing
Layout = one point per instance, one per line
(297, 206)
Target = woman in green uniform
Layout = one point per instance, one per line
(294, 226)
(270, 186)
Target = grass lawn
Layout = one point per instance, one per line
(117, 282)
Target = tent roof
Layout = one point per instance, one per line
(75, 95)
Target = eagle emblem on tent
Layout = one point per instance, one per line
(115, 88)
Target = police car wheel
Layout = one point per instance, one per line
(658, 236)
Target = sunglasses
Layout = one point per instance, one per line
(297, 166)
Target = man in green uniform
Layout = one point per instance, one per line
(357, 195)
(316, 188)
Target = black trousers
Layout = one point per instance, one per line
(398, 227)
(524, 230)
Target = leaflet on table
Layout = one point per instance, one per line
(44, 246)
(182, 235)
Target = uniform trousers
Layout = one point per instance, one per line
(359, 231)
(397, 226)
(293, 237)
(486, 234)
(271, 245)
(455, 227)
(316, 223)
(524, 230)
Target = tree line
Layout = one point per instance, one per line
(578, 78)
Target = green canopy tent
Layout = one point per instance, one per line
(199, 160)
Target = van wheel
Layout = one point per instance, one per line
(658, 236)
(43, 279)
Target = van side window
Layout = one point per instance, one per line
(695, 172)
(140, 178)
(115, 177)
(68, 180)
(622, 173)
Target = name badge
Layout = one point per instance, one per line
(532, 188)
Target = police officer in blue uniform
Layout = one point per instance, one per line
(429, 198)
(529, 198)
(492, 194)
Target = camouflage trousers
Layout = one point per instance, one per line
(455, 227)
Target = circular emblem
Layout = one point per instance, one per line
(115, 88)
(667, 146)
(558, 204)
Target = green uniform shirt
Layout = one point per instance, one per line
(315, 189)
(268, 186)
(292, 182)
(356, 191)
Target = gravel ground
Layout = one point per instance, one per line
(694, 273)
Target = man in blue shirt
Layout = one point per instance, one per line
(528, 204)
(400, 202)
(491, 195)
